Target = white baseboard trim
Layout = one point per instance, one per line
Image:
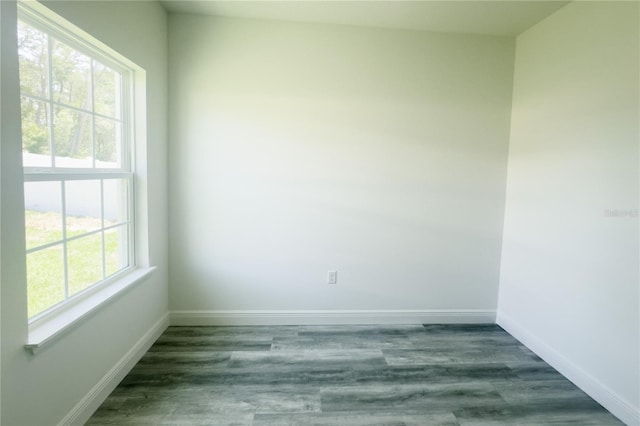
(619, 407)
(96, 396)
(332, 317)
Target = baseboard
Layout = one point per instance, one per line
(331, 317)
(96, 396)
(619, 407)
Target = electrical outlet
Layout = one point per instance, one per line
(332, 277)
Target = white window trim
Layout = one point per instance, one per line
(47, 328)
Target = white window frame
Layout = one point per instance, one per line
(46, 326)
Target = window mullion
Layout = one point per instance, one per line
(52, 145)
(57, 175)
(131, 212)
(44, 246)
(104, 256)
(93, 116)
(55, 103)
(64, 240)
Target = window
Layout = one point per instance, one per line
(77, 145)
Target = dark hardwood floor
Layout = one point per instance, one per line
(346, 376)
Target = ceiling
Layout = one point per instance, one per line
(504, 18)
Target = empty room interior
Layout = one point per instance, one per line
(320, 213)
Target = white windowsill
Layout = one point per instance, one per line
(51, 329)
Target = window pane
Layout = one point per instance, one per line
(72, 118)
(36, 151)
(45, 279)
(43, 213)
(116, 243)
(83, 206)
(72, 138)
(84, 262)
(71, 76)
(116, 201)
(108, 145)
(32, 51)
(106, 89)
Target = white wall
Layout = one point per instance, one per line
(42, 389)
(300, 148)
(569, 279)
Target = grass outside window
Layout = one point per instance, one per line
(45, 268)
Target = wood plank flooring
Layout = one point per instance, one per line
(346, 376)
